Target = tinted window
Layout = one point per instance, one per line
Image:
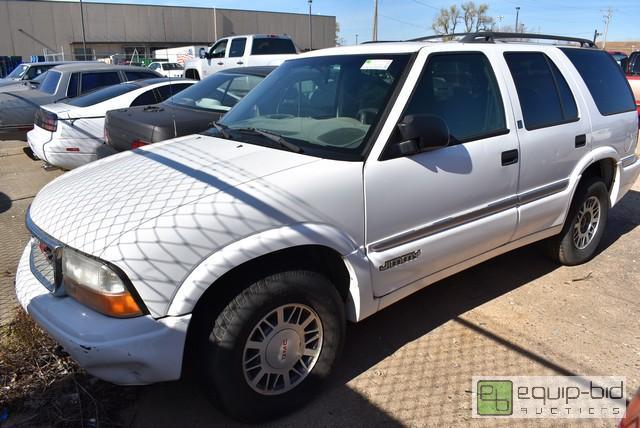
(569, 107)
(217, 51)
(18, 72)
(72, 90)
(171, 66)
(101, 95)
(92, 81)
(213, 92)
(272, 46)
(539, 97)
(50, 82)
(604, 78)
(237, 47)
(461, 89)
(168, 91)
(145, 99)
(137, 75)
(154, 66)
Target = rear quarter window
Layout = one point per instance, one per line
(604, 78)
(272, 46)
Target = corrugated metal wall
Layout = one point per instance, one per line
(26, 27)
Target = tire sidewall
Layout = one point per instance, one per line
(570, 253)
(225, 350)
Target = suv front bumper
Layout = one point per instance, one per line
(129, 351)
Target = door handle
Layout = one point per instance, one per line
(221, 63)
(239, 62)
(581, 140)
(509, 157)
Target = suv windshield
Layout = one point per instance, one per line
(18, 72)
(100, 95)
(219, 92)
(325, 105)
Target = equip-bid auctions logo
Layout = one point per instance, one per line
(549, 396)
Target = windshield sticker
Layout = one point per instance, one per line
(376, 64)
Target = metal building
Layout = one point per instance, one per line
(32, 27)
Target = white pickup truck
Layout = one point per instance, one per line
(241, 51)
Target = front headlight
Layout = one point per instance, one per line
(97, 285)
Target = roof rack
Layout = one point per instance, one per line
(491, 37)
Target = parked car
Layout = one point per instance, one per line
(632, 69)
(347, 180)
(167, 69)
(188, 112)
(68, 133)
(241, 51)
(28, 71)
(619, 57)
(18, 109)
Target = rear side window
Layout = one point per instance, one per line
(92, 81)
(145, 99)
(137, 75)
(72, 90)
(604, 78)
(272, 46)
(237, 47)
(461, 88)
(545, 97)
(168, 91)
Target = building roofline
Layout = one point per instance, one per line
(89, 2)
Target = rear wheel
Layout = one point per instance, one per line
(584, 226)
(271, 347)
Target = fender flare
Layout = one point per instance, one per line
(209, 270)
(597, 154)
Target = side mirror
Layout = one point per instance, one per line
(420, 133)
(202, 53)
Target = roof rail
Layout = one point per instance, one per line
(491, 37)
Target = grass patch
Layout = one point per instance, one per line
(41, 385)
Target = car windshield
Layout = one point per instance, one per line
(327, 105)
(219, 92)
(171, 66)
(18, 72)
(50, 82)
(102, 94)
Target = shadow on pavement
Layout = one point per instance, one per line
(5, 202)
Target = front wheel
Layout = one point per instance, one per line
(271, 347)
(584, 226)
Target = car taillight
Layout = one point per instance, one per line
(46, 120)
(138, 143)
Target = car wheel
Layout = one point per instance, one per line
(584, 226)
(271, 347)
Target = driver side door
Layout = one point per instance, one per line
(431, 210)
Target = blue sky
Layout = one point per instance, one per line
(403, 19)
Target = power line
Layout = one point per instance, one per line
(425, 4)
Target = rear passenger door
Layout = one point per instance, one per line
(429, 211)
(236, 51)
(554, 134)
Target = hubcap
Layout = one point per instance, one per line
(586, 224)
(282, 349)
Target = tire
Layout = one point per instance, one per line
(576, 244)
(228, 358)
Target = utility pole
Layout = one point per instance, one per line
(500, 18)
(517, 16)
(595, 35)
(84, 39)
(356, 38)
(607, 18)
(374, 35)
(310, 28)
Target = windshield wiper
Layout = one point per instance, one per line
(222, 130)
(276, 138)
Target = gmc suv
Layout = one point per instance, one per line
(348, 179)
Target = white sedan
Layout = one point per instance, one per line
(67, 133)
(167, 69)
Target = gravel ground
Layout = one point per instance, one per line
(411, 364)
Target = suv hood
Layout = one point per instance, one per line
(91, 207)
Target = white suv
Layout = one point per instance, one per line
(347, 180)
